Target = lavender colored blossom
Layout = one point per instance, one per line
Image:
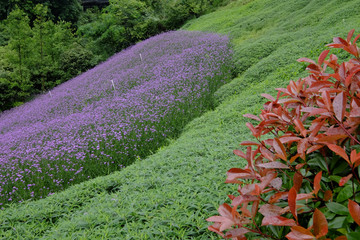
(107, 117)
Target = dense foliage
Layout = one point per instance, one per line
(66, 10)
(105, 118)
(44, 43)
(306, 176)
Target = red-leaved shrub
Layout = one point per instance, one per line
(302, 177)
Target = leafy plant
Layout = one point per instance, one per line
(302, 180)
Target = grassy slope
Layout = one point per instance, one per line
(169, 194)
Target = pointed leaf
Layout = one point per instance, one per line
(268, 96)
(300, 233)
(327, 100)
(306, 60)
(354, 210)
(356, 38)
(322, 57)
(225, 210)
(280, 195)
(280, 149)
(350, 34)
(327, 195)
(320, 225)
(317, 181)
(300, 126)
(303, 196)
(277, 221)
(339, 105)
(234, 233)
(270, 210)
(298, 178)
(339, 151)
(292, 202)
(251, 116)
(244, 199)
(249, 143)
(344, 180)
(273, 165)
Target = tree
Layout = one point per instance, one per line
(19, 32)
(67, 10)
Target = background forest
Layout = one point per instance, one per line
(45, 42)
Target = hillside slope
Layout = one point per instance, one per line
(170, 194)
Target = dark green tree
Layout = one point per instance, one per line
(67, 10)
(19, 50)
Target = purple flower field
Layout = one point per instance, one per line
(105, 118)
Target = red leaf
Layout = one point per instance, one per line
(355, 112)
(238, 232)
(243, 199)
(303, 196)
(280, 195)
(267, 154)
(293, 158)
(251, 116)
(300, 233)
(300, 126)
(289, 139)
(344, 180)
(292, 202)
(276, 183)
(350, 34)
(356, 38)
(327, 195)
(327, 100)
(330, 138)
(239, 153)
(252, 129)
(280, 149)
(249, 143)
(306, 60)
(225, 210)
(254, 209)
(277, 221)
(339, 40)
(317, 181)
(354, 210)
(339, 105)
(273, 165)
(270, 210)
(339, 151)
(354, 156)
(322, 57)
(237, 173)
(215, 228)
(268, 96)
(298, 178)
(320, 225)
(343, 237)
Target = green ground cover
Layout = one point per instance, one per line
(170, 194)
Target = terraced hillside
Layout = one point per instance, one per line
(170, 194)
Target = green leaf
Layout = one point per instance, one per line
(337, 222)
(337, 208)
(329, 215)
(335, 178)
(341, 167)
(345, 193)
(318, 161)
(353, 236)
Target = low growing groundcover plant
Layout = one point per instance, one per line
(104, 119)
(302, 180)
